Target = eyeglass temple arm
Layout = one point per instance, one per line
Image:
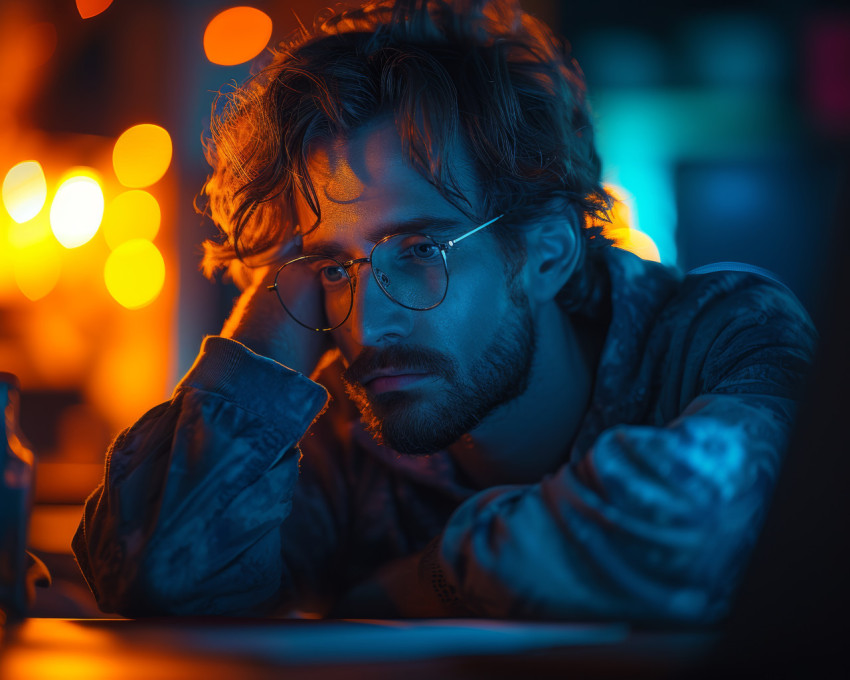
(470, 233)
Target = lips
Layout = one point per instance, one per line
(396, 367)
(388, 381)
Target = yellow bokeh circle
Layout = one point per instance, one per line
(131, 214)
(27, 233)
(636, 242)
(135, 273)
(24, 191)
(77, 210)
(237, 35)
(141, 155)
(37, 267)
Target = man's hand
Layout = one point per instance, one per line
(399, 589)
(260, 322)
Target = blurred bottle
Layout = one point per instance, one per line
(16, 494)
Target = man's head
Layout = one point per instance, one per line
(480, 77)
(420, 378)
(396, 112)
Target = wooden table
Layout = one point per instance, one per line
(99, 649)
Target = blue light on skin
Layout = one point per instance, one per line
(363, 183)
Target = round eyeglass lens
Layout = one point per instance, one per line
(316, 291)
(411, 269)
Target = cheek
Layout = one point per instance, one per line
(476, 301)
(347, 349)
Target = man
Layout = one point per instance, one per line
(548, 427)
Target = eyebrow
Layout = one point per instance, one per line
(431, 226)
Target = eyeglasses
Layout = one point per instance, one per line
(411, 270)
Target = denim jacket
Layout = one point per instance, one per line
(234, 498)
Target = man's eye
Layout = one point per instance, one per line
(333, 274)
(425, 251)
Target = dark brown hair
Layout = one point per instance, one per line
(479, 75)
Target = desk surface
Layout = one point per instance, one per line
(95, 649)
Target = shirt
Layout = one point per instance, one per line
(234, 498)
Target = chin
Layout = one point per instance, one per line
(408, 424)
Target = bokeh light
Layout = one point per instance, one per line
(24, 191)
(35, 44)
(141, 155)
(57, 345)
(8, 288)
(135, 273)
(237, 35)
(77, 210)
(622, 214)
(27, 233)
(91, 8)
(635, 242)
(37, 267)
(132, 214)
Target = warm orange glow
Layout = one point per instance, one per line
(28, 233)
(77, 209)
(91, 8)
(35, 44)
(24, 191)
(131, 214)
(135, 273)
(37, 267)
(132, 369)
(76, 652)
(58, 346)
(141, 155)
(621, 212)
(237, 35)
(8, 288)
(52, 526)
(635, 242)
(621, 226)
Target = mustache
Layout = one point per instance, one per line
(398, 358)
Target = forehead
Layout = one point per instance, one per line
(365, 180)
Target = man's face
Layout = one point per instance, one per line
(421, 379)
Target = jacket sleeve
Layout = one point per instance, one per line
(188, 517)
(651, 523)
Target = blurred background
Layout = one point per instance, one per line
(720, 124)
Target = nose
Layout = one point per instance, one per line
(376, 320)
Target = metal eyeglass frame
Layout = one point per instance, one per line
(443, 246)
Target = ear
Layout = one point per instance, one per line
(553, 253)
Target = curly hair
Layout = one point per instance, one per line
(481, 75)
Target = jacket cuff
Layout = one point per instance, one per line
(229, 369)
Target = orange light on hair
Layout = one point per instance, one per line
(237, 35)
(141, 155)
(635, 242)
(135, 273)
(37, 267)
(91, 8)
(24, 191)
(621, 212)
(131, 214)
(77, 209)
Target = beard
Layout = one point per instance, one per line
(410, 424)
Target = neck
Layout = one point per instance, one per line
(531, 436)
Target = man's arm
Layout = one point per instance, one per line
(652, 523)
(187, 519)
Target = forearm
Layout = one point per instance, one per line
(653, 524)
(188, 517)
